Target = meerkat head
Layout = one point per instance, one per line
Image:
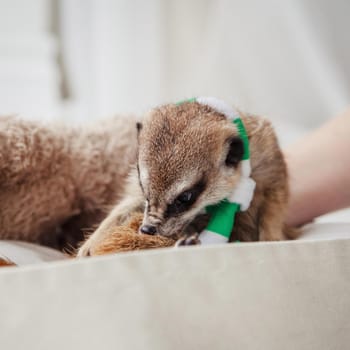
(189, 157)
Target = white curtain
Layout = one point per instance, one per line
(288, 59)
(29, 75)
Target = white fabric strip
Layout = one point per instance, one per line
(243, 193)
(246, 167)
(219, 106)
(209, 237)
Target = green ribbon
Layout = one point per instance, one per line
(222, 217)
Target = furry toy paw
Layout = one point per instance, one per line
(6, 262)
(126, 238)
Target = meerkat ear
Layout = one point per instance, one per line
(138, 127)
(235, 152)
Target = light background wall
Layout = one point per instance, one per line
(29, 74)
(287, 59)
(83, 59)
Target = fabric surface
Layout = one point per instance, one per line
(284, 295)
(320, 231)
(23, 253)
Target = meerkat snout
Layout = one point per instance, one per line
(148, 229)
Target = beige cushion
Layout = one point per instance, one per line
(286, 295)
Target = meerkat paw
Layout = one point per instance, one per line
(87, 249)
(188, 240)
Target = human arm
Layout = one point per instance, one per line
(319, 171)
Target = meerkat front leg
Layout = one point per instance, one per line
(133, 201)
(264, 220)
(272, 215)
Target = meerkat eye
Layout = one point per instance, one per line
(181, 203)
(185, 200)
(184, 197)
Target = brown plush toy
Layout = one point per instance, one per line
(126, 238)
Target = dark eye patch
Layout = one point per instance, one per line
(185, 200)
(185, 197)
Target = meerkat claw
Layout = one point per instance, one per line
(188, 240)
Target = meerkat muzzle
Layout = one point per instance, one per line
(148, 229)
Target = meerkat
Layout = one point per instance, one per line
(189, 156)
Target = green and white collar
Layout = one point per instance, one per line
(223, 214)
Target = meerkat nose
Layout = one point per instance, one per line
(148, 229)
